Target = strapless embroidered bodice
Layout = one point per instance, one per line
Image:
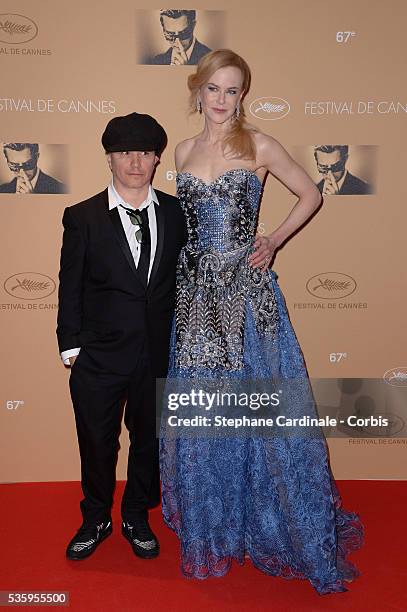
(221, 215)
(215, 283)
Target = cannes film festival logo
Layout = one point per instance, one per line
(269, 109)
(29, 286)
(17, 29)
(397, 377)
(331, 285)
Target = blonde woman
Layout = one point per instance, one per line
(270, 498)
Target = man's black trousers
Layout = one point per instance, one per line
(98, 398)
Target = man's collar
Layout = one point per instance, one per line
(35, 178)
(342, 180)
(191, 48)
(115, 198)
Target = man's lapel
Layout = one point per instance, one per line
(160, 220)
(194, 59)
(42, 185)
(115, 220)
(197, 52)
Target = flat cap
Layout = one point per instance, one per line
(134, 132)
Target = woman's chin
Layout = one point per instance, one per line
(218, 117)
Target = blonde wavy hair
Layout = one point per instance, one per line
(239, 142)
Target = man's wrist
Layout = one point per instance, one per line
(66, 355)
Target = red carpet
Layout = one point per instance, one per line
(38, 519)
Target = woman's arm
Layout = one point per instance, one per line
(272, 156)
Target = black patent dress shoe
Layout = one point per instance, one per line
(142, 539)
(87, 539)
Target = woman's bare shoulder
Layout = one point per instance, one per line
(182, 151)
(268, 150)
(264, 141)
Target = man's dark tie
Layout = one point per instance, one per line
(144, 260)
(140, 218)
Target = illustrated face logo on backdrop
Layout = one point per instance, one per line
(21, 172)
(340, 169)
(177, 37)
(331, 162)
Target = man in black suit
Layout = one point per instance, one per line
(116, 302)
(178, 29)
(22, 160)
(331, 163)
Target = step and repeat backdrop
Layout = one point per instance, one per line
(318, 76)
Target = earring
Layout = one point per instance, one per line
(199, 106)
(237, 111)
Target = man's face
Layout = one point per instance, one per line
(22, 160)
(331, 162)
(178, 29)
(132, 169)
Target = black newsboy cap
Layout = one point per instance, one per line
(134, 132)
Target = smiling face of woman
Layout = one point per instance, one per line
(222, 93)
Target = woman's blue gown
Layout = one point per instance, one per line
(270, 498)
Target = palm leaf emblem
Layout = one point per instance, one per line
(30, 285)
(332, 285)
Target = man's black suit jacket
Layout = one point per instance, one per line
(45, 184)
(104, 308)
(198, 51)
(352, 185)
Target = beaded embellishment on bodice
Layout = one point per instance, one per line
(215, 283)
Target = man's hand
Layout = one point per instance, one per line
(72, 360)
(23, 183)
(330, 185)
(264, 252)
(179, 57)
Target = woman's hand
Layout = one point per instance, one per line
(265, 248)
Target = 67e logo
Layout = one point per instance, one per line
(344, 37)
(14, 404)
